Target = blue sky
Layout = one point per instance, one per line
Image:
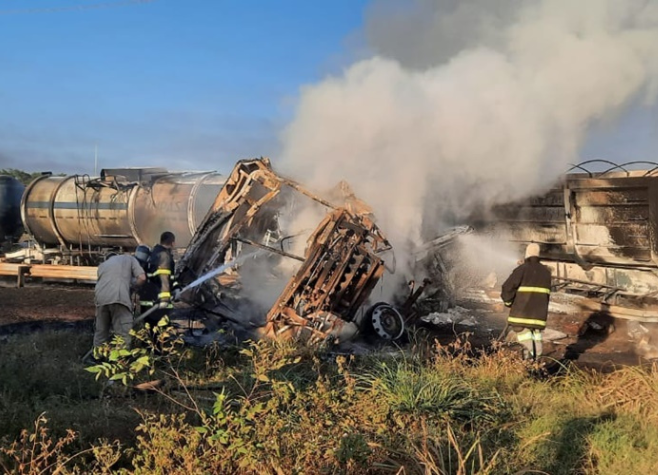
(180, 83)
(186, 84)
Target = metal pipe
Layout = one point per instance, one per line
(271, 249)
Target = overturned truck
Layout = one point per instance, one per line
(253, 223)
(599, 235)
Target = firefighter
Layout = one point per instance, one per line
(161, 270)
(526, 292)
(147, 294)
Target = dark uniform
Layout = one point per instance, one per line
(160, 285)
(527, 291)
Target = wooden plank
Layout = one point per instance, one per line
(529, 232)
(629, 235)
(7, 268)
(629, 197)
(628, 256)
(613, 214)
(49, 271)
(553, 198)
(532, 214)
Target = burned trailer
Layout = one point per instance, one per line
(76, 219)
(338, 270)
(599, 235)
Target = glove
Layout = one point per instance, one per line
(164, 303)
(176, 295)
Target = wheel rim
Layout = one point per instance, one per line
(387, 322)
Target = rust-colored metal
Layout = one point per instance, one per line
(340, 266)
(340, 271)
(249, 187)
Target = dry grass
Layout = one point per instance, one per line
(276, 408)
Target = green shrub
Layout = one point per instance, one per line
(274, 407)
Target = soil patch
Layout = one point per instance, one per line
(604, 345)
(45, 302)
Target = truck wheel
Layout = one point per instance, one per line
(386, 321)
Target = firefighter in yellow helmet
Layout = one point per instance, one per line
(526, 292)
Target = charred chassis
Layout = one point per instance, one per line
(339, 269)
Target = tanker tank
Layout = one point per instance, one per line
(120, 209)
(10, 199)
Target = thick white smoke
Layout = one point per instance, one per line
(467, 103)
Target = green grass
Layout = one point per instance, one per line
(276, 408)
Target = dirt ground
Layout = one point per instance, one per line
(44, 305)
(591, 341)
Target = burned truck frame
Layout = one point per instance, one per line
(340, 266)
(599, 235)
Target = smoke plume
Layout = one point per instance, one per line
(469, 103)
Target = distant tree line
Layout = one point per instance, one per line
(23, 177)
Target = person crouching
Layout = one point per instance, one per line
(114, 306)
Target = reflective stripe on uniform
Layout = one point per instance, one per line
(538, 290)
(147, 303)
(164, 295)
(161, 272)
(526, 321)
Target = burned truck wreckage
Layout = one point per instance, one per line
(279, 261)
(599, 235)
(237, 255)
(341, 263)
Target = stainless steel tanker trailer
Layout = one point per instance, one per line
(76, 219)
(598, 232)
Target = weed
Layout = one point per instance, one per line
(273, 407)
